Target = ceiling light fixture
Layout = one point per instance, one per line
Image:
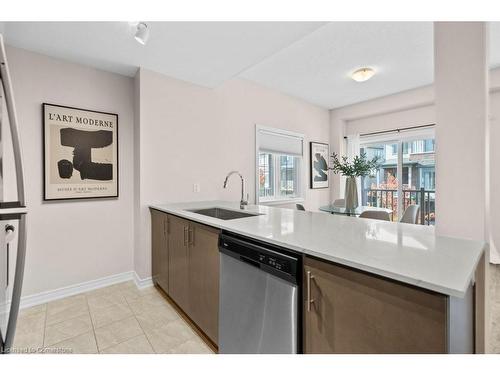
(142, 33)
(363, 74)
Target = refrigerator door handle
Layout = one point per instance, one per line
(9, 230)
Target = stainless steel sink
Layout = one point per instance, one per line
(222, 213)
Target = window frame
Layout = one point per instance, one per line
(278, 199)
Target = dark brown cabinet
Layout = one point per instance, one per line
(204, 278)
(178, 278)
(191, 276)
(159, 224)
(348, 311)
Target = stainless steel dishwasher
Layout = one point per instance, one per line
(259, 297)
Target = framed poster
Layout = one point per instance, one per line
(318, 157)
(80, 153)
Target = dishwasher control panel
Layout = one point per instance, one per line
(267, 257)
(275, 262)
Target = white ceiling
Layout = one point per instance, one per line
(318, 66)
(309, 60)
(205, 53)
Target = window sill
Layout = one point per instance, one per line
(276, 202)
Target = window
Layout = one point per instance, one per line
(428, 178)
(266, 175)
(394, 149)
(406, 175)
(279, 161)
(289, 179)
(429, 145)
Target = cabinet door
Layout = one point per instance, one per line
(354, 312)
(204, 278)
(178, 283)
(164, 256)
(159, 263)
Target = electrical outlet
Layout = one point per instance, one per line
(196, 187)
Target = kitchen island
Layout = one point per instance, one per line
(383, 267)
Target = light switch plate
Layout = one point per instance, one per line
(196, 187)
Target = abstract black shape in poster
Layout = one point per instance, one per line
(65, 168)
(321, 167)
(318, 159)
(83, 142)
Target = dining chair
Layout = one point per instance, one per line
(378, 215)
(410, 215)
(339, 203)
(300, 207)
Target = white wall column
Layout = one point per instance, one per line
(461, 91)
(337, 143)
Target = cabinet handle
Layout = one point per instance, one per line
(309, 299)
(185, 236)
(191, 236)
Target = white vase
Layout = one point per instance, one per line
(351, 193)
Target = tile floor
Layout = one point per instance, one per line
(116, 319)
(123, 319)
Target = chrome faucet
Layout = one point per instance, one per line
(243, 202)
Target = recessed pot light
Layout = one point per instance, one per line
(363, 74)
(142, 33)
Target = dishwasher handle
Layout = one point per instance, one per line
(249, 261)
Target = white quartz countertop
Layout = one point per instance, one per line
(409, 253)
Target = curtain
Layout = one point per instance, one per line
(280, 142)
(352, 151)
(352, 146)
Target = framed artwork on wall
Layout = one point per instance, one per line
(318, 158)
(80, 153)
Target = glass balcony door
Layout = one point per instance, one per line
(381, 189)
(406, 175)
(419, 177)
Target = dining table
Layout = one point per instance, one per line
(339, 210)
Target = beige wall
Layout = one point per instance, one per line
(191, 134)
(74, 241)
(462, 142)
(187, 134)
(461, 123)
(494, 224)
(423, 115)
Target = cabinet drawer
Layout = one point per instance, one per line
(348, 311)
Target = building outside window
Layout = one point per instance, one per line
(279, 165)
(289, 179)
(266, 175)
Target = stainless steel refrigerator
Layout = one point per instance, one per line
(12, 210)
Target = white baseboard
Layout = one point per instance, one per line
(142, 283)
(51, 295)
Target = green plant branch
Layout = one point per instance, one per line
(359, 167)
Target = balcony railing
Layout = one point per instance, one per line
(387, 198)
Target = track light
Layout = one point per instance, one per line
(142, 33)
